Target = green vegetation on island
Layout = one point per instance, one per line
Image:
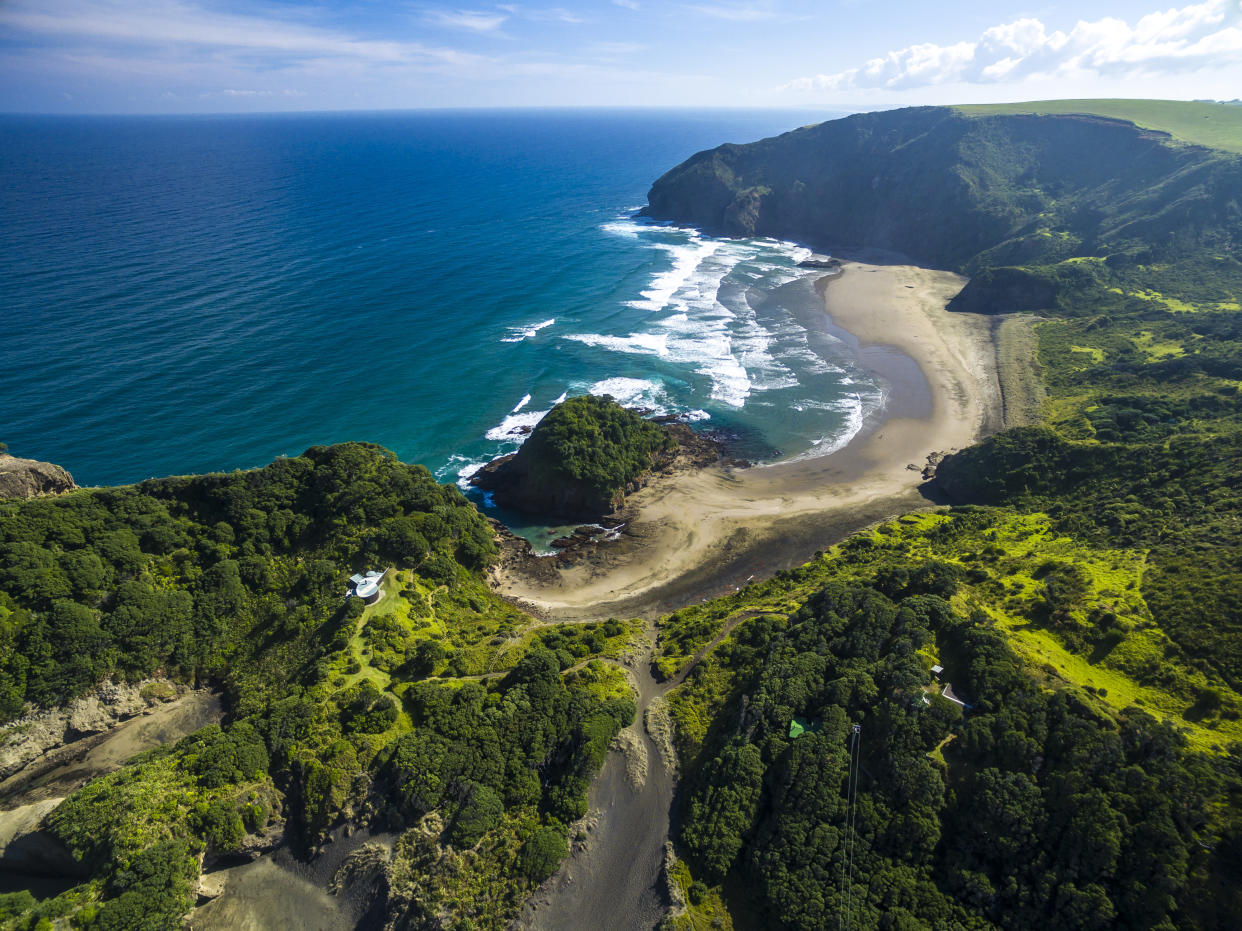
(439, 712)
(579, 461)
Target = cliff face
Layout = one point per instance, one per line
(27, 478)
(962, 192)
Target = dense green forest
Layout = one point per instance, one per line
(439, 711)
(1094, 781)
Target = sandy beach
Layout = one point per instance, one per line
(698, 534)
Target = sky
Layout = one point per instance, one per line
(205, 56)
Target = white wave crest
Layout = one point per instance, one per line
(461, 468)
(515, 427)
(638, 343)
(632, 392)
(519, 333)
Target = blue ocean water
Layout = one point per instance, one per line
(191, 294)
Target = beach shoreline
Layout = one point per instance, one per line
(698, 534)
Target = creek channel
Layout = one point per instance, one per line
(30, 859)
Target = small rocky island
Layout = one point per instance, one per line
(586, 455)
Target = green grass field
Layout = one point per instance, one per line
(1215, 125)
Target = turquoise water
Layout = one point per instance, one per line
(200, 293)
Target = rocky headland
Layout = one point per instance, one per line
(29, 478)
(585, 456)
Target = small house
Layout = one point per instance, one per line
(367, 587)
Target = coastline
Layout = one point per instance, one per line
(698, 534)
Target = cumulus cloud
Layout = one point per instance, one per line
(1176, 40)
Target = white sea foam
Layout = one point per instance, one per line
(853, 408)
(632, 392)
(519, 333)
(706, 314)
(686, 258)
(654, 344)
(522, 403)
(461, 468)
(564, 395)
(515, 427)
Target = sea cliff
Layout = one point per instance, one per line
(963, 192)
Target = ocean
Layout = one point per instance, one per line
(191, 294)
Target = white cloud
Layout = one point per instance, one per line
(1190, 38)
(173, 24)
(472, 20)
(736, 12)
(628, 4)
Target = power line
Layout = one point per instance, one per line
(851, 813)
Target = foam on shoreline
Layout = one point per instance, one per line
(695, 534)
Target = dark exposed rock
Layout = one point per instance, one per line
(819, 262)
(29, 478)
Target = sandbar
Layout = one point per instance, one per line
(699, 534)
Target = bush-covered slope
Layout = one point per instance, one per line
(1092, 783)
(965, 192)
(439, 712)
(579, 461)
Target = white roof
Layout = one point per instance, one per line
(937, 669)
(367, 587)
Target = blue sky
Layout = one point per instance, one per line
(186, 56)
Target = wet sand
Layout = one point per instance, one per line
(698, 534)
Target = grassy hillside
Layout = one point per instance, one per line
(1045, 802)
(1216, 125)
(1050, 800)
